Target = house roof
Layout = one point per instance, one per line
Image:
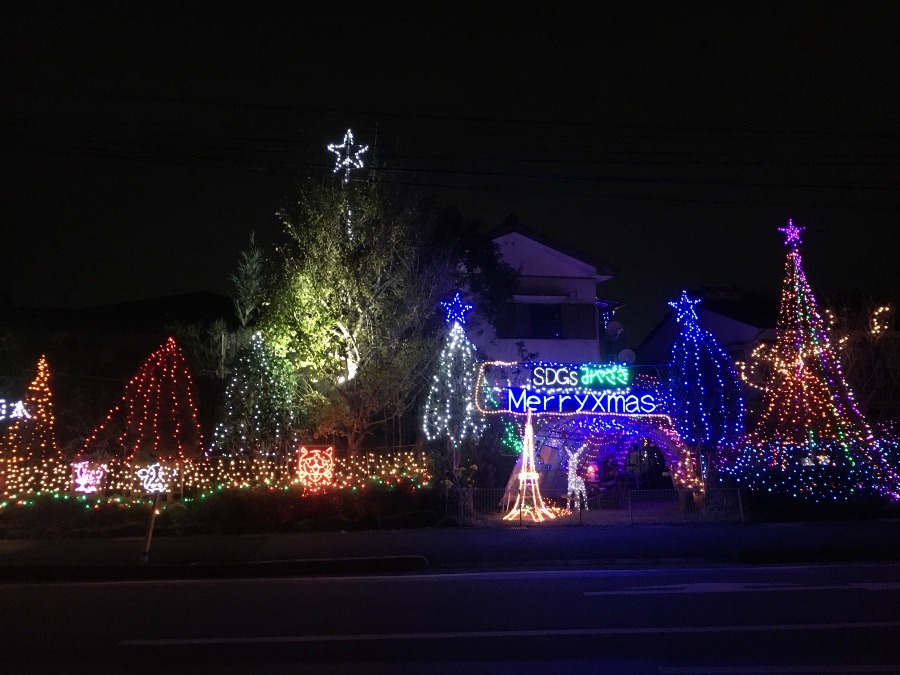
(512, 225)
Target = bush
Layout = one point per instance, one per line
(245, 511)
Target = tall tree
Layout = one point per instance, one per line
(810, 441)
(248, 283)
(356, 315)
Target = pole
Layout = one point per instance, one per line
(145, 556)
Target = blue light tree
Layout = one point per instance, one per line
(703, 391)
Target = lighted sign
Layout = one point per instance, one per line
(152, 478)
(87, 478)
(13, 410)
(520, 400)
(587, 376)
(316, 467)
(543, 388)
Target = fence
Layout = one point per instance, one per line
(628, 507)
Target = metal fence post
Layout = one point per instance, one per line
(630, 510)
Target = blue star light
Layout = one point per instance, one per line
(684, 309)
(791, 234)
(346, 157)
(456, 309)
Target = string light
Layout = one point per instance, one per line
(811, 441)
(529, 503)
(703, 390)
(316, 467)
(13, 410)
(153, 478)
(31, 457)
(156, 417)
(346, 157)
(258, 401)
(575, 484)
(88, 478)
(449, 409)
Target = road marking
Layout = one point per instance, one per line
(712, 670)
(744, 587)
(453, 635)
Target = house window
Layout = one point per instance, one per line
(548, 322)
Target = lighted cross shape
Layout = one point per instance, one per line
(347, 157)
(684, 309)
(791, 234)
(456, 309)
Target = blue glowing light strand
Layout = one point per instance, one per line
(703, 392)
(456, 309)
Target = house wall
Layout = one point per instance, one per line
(555, 307)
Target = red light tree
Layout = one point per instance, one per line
(155, 420)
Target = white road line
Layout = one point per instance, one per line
(749, 670)
(564, 632)
(745, 587)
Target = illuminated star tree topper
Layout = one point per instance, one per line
(456, 309)
(684, 309)
(347, 155)
(791, 234)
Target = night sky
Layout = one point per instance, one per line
(143, 142)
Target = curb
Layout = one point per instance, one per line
(819, 555)
(268, 568)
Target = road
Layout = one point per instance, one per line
(818, 618)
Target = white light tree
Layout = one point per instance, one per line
(450, 413)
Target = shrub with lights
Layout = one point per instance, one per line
(810, 442)
(258, 418)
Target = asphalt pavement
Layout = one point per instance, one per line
(482, 547)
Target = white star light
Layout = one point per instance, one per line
(346, 157)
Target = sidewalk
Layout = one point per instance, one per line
(448, 549)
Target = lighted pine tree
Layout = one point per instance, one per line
(32, 456)
(703, 391)
(450, 414)
(257, 419)
(450, 407)
(155, 420)
(810, 441)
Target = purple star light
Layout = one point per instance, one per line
(791, 234)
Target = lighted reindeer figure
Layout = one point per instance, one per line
(576, 482)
